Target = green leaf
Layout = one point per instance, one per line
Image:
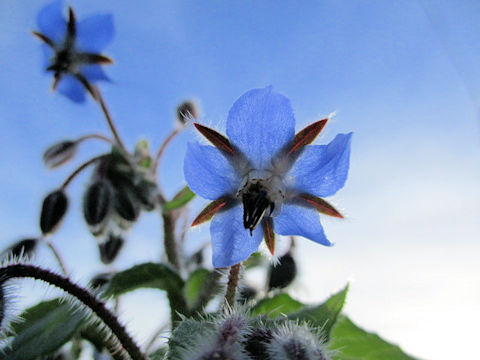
(179, 200)
(324, 315)
(194, 287)
(46, 327)
(147, 275)
(349, 342)
(256, 259)
(276, 306)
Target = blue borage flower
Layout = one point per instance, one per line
(72, 49)
(263, 178)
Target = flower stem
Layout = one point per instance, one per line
(162, 148)
(97, 307)
(57, 256)
(232, 285)
(95, 136)
(109, 119)
(169, 239)
(81, 168)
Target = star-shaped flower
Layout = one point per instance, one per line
(263, 178)
(72, 49)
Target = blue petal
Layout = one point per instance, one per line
(72, 88)
(94, 73)
(298, 220)
(231, 242)
(321, 170)
(208, 173)
(95, 33)
(51, 23)
(260, 123)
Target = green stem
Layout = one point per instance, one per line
(169, 239)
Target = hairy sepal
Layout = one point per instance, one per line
(217, 139)
(307, 135)
(321, 205)
(211, 209)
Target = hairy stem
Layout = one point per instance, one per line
(82, 295)
(232, 285)
(109, 119)
(169, 239)
(81, 168)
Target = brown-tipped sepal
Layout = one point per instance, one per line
(307, 135)
(320, 205)
(215, 138)
(268, 234)
(44, 38)
(211, 209)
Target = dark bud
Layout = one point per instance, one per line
(100, 280)
(187, 110)
(110, 248)
(245, 294)
(256, 343)
(96, 205)
(295, 350)
(25, 247)
(126, 204)
(54, 208)
(146, 192)
(59, 154)
(282, 275)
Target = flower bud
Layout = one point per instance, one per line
(25, 247)
(256, 343)
(187, 110)
(295, 342)
(54, 208)
(110, 248)
(245, 294)
(100, 280)
(96, 205)
(126, 205)
(60, 153)
(282, 274)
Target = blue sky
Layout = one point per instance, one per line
(403, 76)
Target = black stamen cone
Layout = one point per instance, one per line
(255, 204)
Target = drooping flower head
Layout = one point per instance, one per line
(72, 49)
(264, 178)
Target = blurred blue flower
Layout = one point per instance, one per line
(72, 49)
(264, 174)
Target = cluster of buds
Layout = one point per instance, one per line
(237, 336)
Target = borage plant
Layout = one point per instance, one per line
(262, 179)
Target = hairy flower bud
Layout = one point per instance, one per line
(97, 203)
(295, 342)
(25, 247)
(60, 153)
(282, 274)
(186, 110)
(126, 205)
(256, 343)
(54, 208)
(110, 248)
